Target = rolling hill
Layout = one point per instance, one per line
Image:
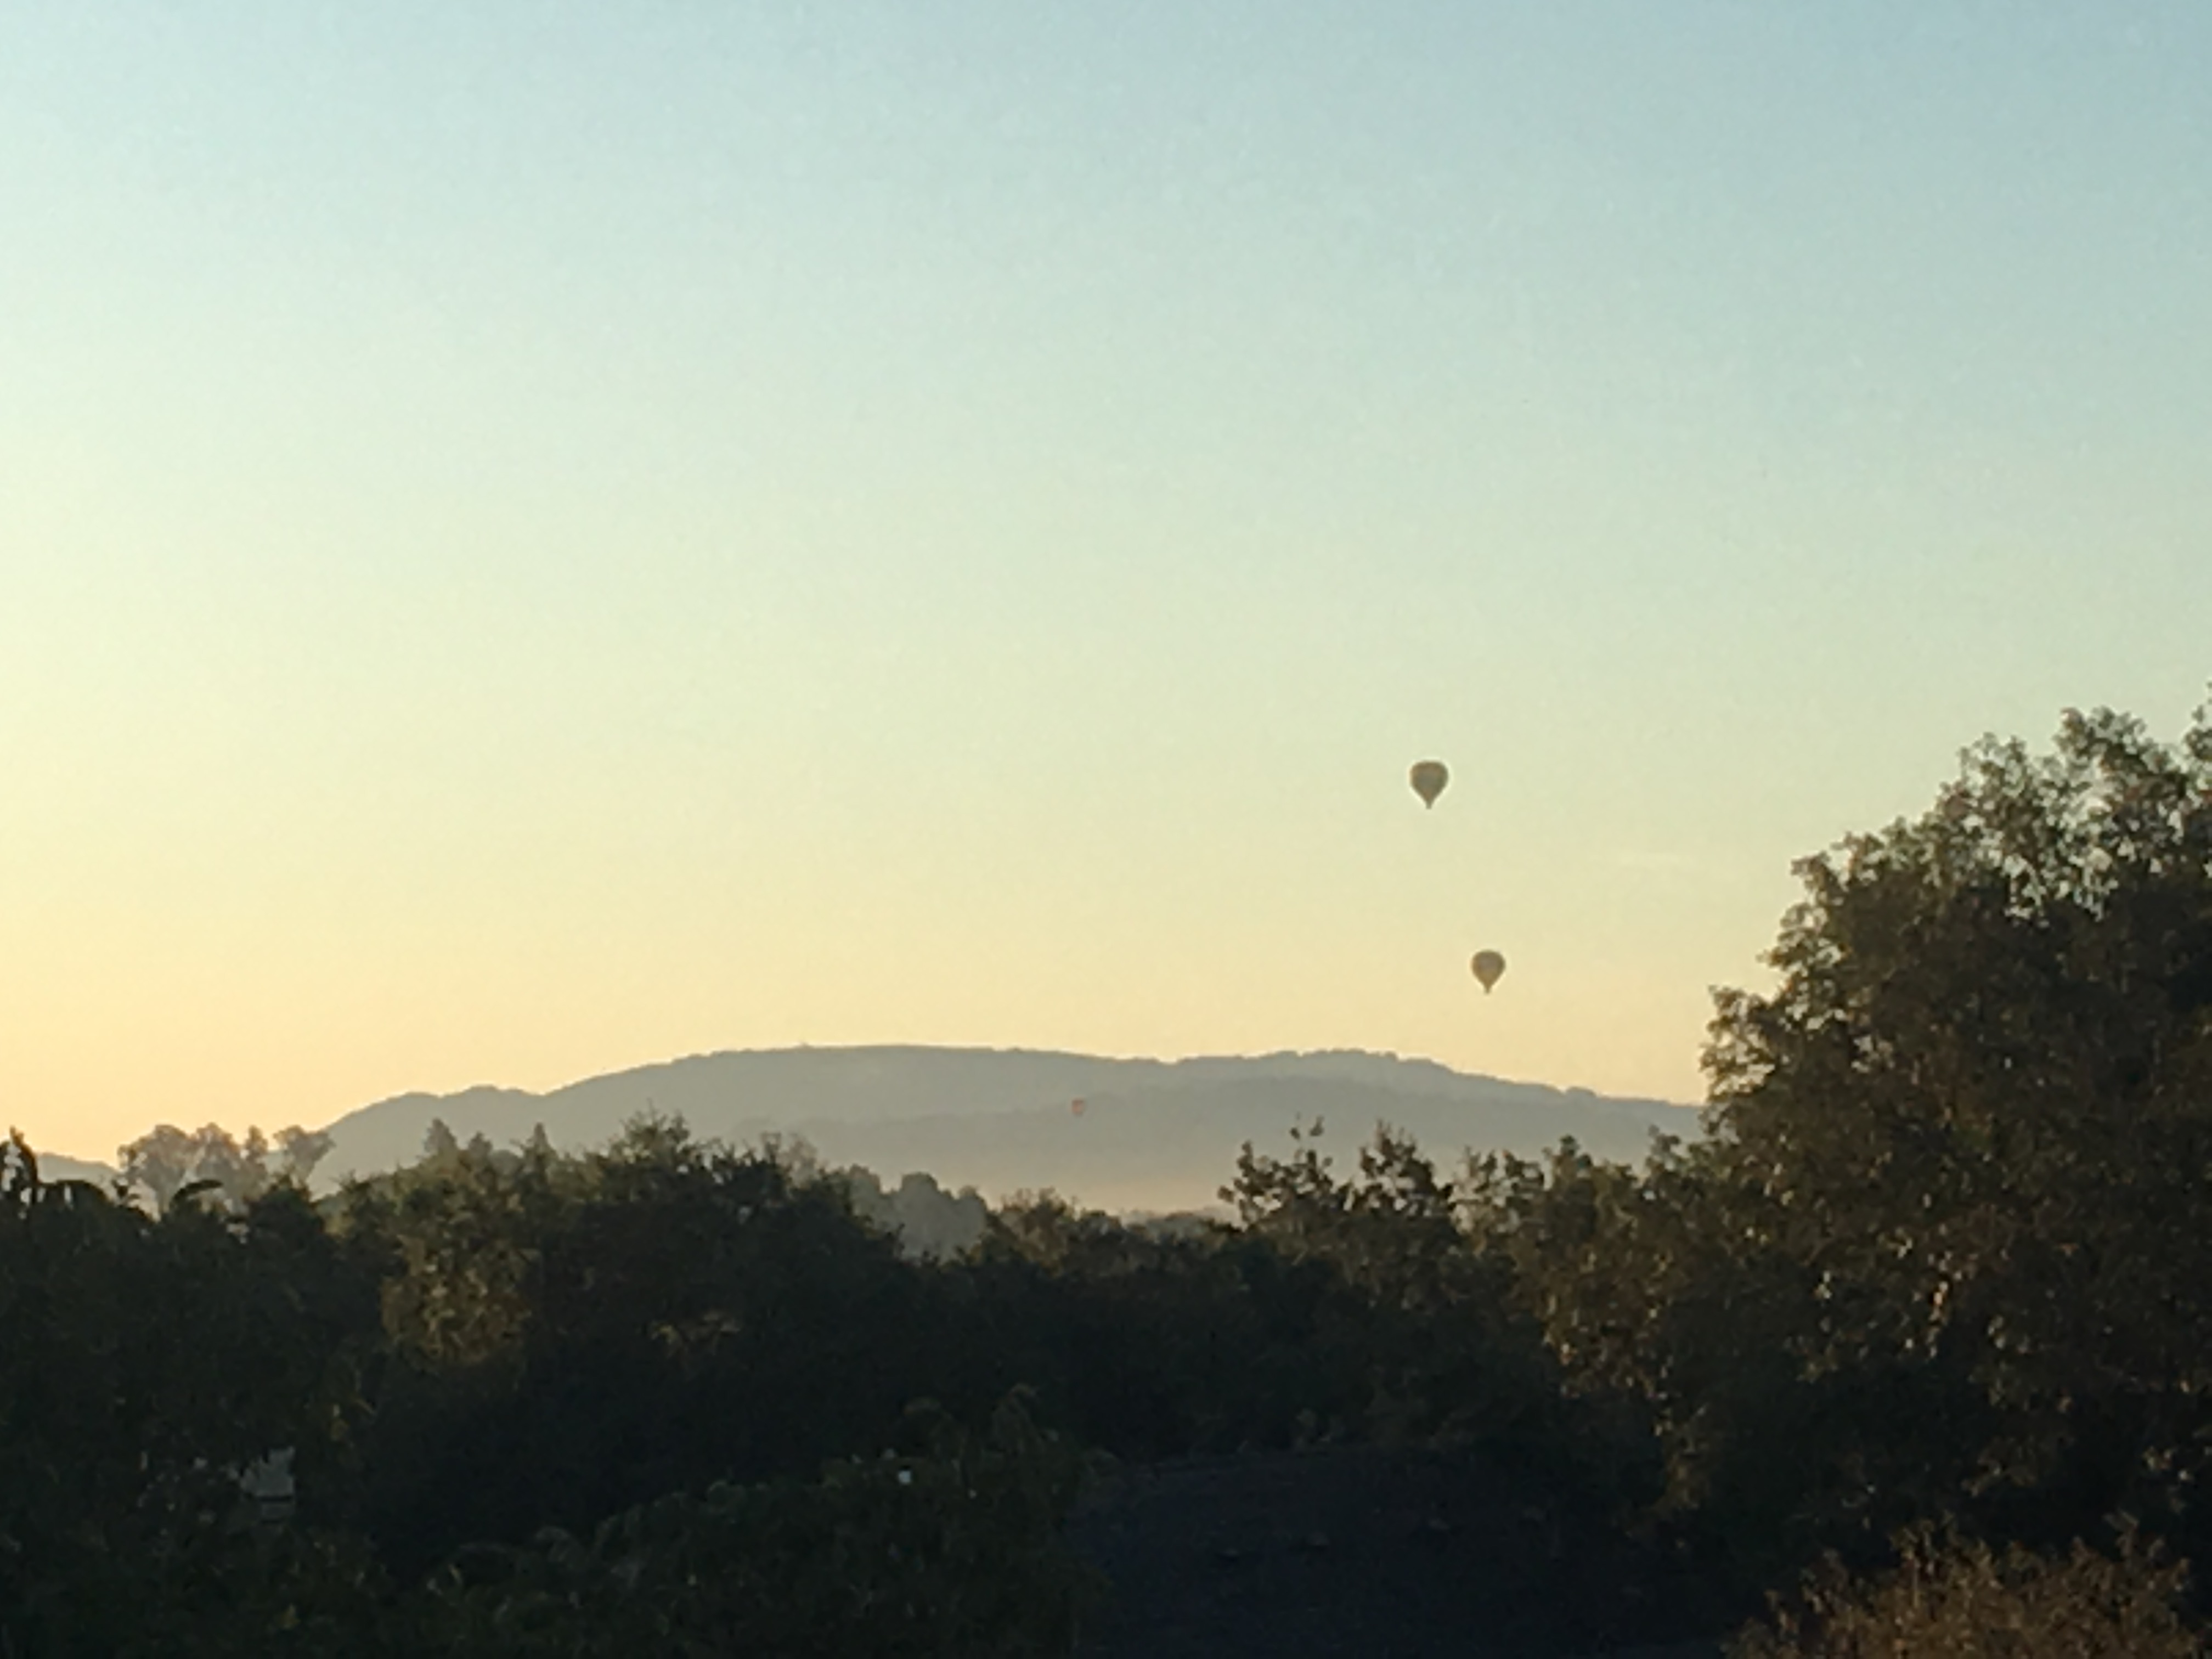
(1152, 1135)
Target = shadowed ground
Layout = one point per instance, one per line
(1389, 1554)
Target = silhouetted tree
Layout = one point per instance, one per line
(166, 1161)
(1948, 1246)
(143, 1363)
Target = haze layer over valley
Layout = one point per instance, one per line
(1119, 1135)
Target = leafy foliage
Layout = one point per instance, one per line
(570, 1337)
(1976, 1114)
(1963, 1600)
(1942, 1257)
(1944, 1249)
(145, 1362)
(949, 1551)
(165, 1162)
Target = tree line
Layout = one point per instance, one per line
(1916, 1330)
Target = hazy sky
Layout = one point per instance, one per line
(536, 537)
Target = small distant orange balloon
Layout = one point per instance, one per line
(1488, 967)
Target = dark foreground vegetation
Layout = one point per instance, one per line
(1917, 1338)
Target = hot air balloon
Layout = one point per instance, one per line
(1429, 778)
(1488, 966)
(1075, 1108)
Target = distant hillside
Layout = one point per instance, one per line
(1156, 1135)
(52, 1166)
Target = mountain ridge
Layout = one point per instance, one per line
(1154, 1134)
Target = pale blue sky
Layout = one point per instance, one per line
(538, 537)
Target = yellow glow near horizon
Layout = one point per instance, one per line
(527, 550)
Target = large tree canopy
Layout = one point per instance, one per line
(1945, 1256)
(1974, 1118)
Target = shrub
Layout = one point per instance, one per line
(1960, 1600)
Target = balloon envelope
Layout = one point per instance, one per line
(1429, 778)
(1488, 967)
